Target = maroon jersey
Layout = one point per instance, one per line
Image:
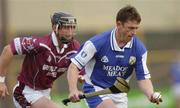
(44, 60)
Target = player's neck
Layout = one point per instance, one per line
(60, 44)
(121, 41)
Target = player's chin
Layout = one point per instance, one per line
(130, 36)
(69, 37)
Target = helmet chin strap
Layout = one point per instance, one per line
(62, 39)
(57, 33)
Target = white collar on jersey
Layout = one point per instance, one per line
(114, 44)
(55, 41)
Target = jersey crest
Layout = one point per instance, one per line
(132, 60)
(27, 43)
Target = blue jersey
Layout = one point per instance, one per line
(104, 60)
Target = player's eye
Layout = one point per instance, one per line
(132, 28)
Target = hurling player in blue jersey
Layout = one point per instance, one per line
(111, 54)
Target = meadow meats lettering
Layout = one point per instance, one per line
(115, 70)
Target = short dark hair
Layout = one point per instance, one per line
(128, 13)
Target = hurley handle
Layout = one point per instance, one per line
(66, 101)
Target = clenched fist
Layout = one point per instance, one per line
(156, 98)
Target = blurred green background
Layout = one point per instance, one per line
(159, 30)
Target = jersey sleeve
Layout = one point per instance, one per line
(85, 53)
(24, 45)
(141, 68)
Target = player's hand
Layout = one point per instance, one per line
(156, 98)
(81, 79)
(74, 95)
(3, 90)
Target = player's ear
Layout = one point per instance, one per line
(118, 23)
(53, 27)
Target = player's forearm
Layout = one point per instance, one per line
(5, 59)
(72, 76)
(146, 87)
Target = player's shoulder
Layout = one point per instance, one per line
(138, 42)
(139, 45)
(43, 39)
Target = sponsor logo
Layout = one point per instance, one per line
(62, 70)
(49, 68)
(53, 70)
(104, 59)
(52, 74)
(119, 56)
(115, 70)
(132, 60)
(114, 73)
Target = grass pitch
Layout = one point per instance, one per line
(136, 100)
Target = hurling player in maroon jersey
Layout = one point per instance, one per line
(46, 58)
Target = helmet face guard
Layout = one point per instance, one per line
(61, 19)
(67, 21)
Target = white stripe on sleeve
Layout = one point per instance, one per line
(146, 71)
(86, 53)
(18, 47)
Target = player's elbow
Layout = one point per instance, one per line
(7, 50)
(72, 71)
